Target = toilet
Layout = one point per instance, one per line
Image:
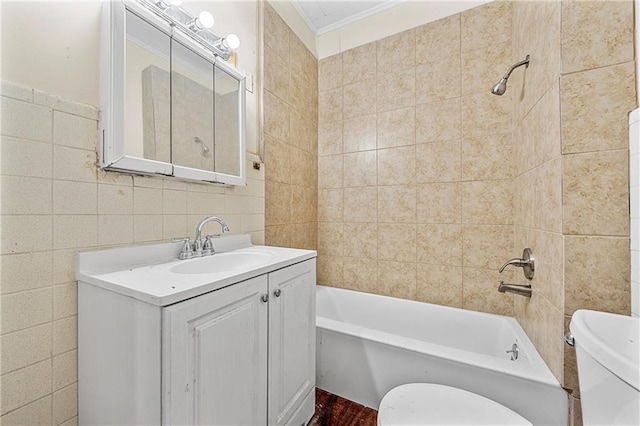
(608, 353)
(433, 404)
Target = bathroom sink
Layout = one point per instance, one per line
(154, 274)
(222, 262)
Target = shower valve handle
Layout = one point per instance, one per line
(527, 263)
(520, 263)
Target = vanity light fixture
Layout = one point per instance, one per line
(230, 42)
(166, 4)
(204, 20)
(197, 28)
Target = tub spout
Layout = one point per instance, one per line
(522, 290)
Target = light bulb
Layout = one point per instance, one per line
(202, 21)
(232, 41)
(205, 19)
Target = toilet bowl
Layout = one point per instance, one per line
(432, 404)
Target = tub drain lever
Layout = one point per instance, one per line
(514, 352)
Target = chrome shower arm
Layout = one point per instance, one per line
(516, 65)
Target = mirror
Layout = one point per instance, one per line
(169, 105)
(227, 158)
(192, 109)
(147, 91)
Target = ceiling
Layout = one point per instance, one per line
(326, 15)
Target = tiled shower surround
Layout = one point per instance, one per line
(414, 175)
(290, 136)
(427, 183)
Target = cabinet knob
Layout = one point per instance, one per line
(277, 292)
(265, 298)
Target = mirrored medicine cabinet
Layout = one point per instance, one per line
(169, 106)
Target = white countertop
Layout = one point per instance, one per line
(145, 272)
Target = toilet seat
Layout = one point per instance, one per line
(432, 404)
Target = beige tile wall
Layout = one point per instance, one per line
(55, 202)
(537, 155)
(414, 180)
(597, 91)
(570, 138)
(290, 136)
(428, 186)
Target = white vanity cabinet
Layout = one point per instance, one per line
(243, 354)
(215, 357)
(292, 342)
(217, 354)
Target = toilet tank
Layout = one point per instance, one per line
(607, 349)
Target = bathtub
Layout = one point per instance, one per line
(368, 344)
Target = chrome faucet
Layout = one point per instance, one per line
(207, 248)
(198, 249)
(527, 263)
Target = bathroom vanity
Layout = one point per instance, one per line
(223, 339)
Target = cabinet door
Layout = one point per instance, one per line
(292, 339)
(214, 352)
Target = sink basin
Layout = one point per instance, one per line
(222, 262)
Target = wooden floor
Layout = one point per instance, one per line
(331, 410)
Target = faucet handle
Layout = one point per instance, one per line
(187, 250)
(208, 246)
(527, 263)
(516, 261)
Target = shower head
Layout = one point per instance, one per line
(205, 149)
(501, 86)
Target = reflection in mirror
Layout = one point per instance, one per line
(192, 109)
(227, 158)
(147, 91)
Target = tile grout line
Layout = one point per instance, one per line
(52, 248)
(462, 225)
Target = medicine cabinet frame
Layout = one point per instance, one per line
(111, 149)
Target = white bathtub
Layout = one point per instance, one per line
(368, 344)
